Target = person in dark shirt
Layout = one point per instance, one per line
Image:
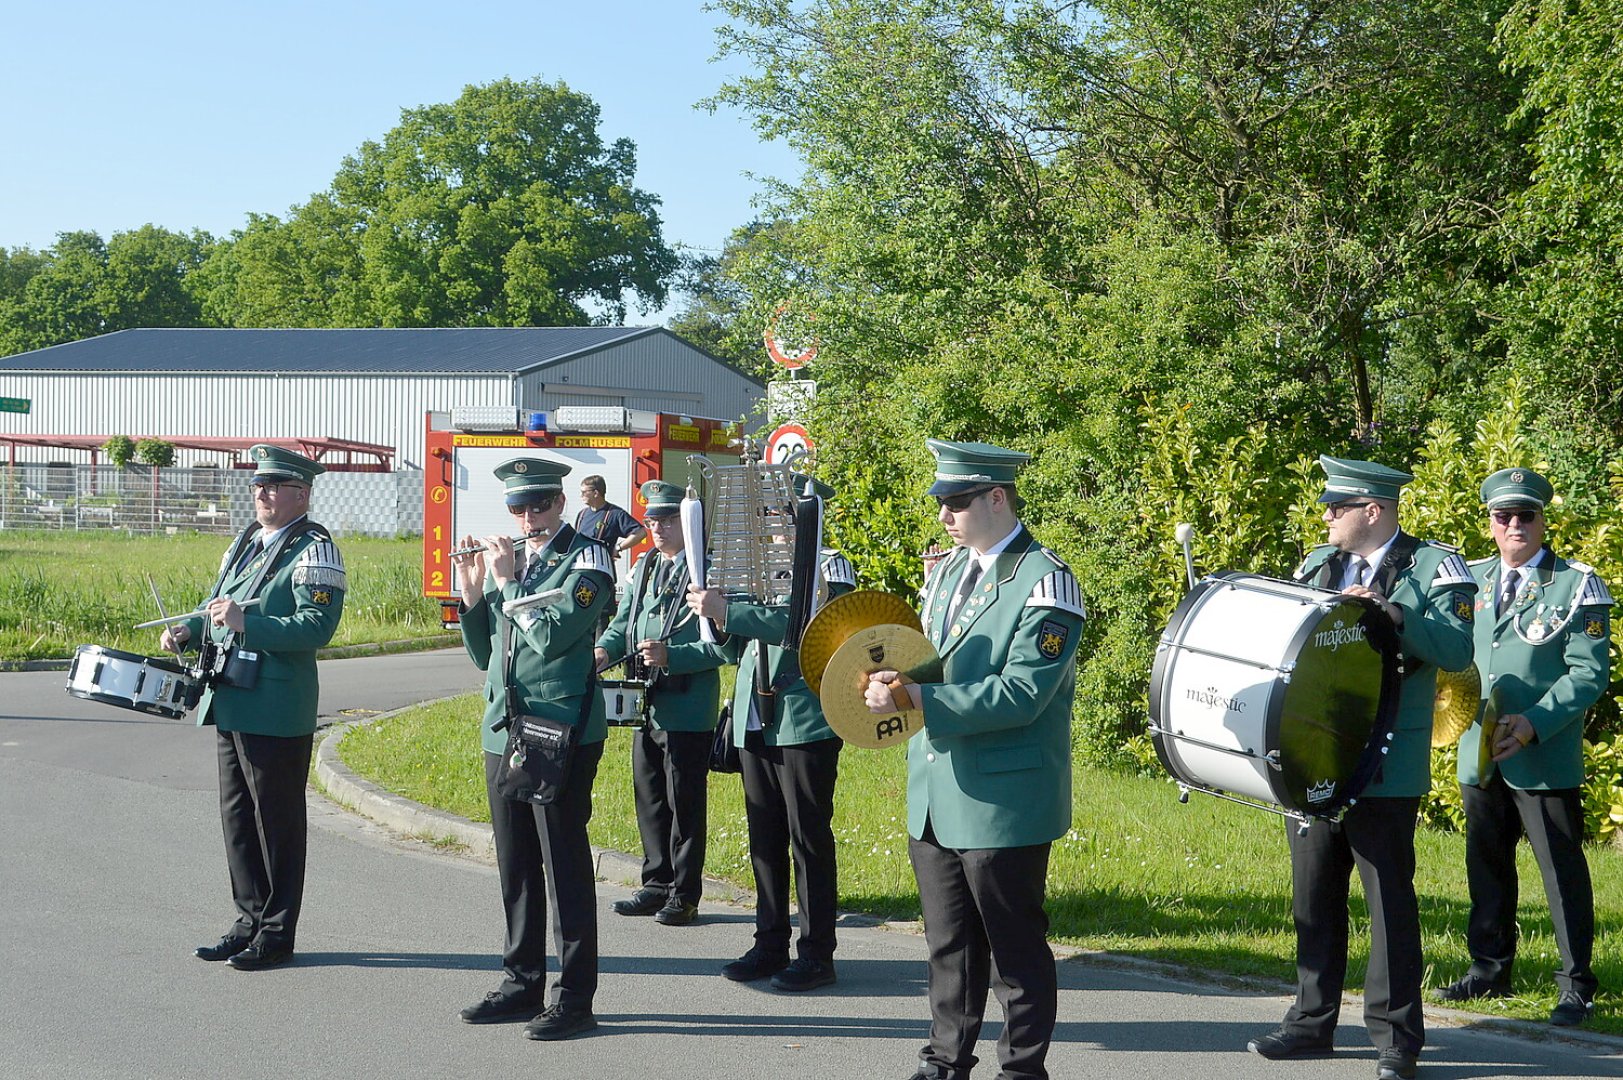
(604, 522)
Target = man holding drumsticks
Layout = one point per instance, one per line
(261, 699)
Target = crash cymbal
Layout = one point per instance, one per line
(1457, 701)
(870, 649)
(839, 619)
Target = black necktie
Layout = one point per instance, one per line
(972, 574)
(1508, 593)
(250, 555)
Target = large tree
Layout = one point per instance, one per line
(84, 286)
(505, 207)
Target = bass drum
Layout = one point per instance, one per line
(142, 683)
(1275, 690)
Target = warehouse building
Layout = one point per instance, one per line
(371, 387)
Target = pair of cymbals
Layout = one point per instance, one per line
(853, 636)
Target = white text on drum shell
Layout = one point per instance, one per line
(1340, 635)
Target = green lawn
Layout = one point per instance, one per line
(1205, 885)
(60, 590)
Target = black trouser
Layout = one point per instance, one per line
(262, 813)
(984, 921)
(542, 855)
(789, 803)
(1495, 818)
(1376, 837)
(670, 773)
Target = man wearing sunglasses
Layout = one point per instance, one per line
(543, 655)
(989, 775)
(1542, 637)
(264, 710)
(1427, 592)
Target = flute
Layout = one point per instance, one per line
(476, 548)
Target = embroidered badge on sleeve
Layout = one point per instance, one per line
(1051, 638)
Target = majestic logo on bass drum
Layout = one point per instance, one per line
(1337, 636)
(1213, 698)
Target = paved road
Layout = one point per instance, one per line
(111, 871)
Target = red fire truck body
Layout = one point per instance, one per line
(462, 497)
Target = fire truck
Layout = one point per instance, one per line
(462, 497)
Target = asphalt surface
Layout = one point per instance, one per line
(112, 870)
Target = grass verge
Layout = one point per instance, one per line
(60, 590)
(1204, 886)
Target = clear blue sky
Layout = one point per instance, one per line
(190, 115)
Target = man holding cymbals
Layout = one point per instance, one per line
(989, 775)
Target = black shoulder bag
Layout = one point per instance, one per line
(535, 765)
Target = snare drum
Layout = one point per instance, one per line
(624, 701)
(143, 683)
(1275, 690)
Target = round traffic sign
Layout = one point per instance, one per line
(785, 441)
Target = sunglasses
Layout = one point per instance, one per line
(274, 486)
(1337, 509)
(519, 509)
(959, 503)
(1507, 517)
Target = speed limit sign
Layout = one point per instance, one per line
(786, 441)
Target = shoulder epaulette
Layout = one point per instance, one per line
(1059, 591)
(593, 556)
(1594, 593)
(837, 569)
(320, 563)
(1446, 547)
(1452, 571)
(1485, 559)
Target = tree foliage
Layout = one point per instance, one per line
(86, 286)
(505, 207)
(1174, 251)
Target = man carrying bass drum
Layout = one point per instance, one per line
(1429, 595)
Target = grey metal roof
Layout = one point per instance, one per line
(505, 350)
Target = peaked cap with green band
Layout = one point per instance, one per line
(966, 466)
(1516, 488)
(661, 498)
(273, 464)
(529, 479)
(1347, 479)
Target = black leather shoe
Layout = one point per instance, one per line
(1395, 1063)
(676, 913)
(1571, 1009)
(755, 964)
(1471, 987)
(1285, 1043)
(804, 974)
(261, 955)
(496, 1007)
(643, 902)
(560, 1023)
(224, 949)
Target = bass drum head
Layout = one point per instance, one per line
(1331, 723)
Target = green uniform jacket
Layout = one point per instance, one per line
(691, 663)
(799, 715)
(1438, 597)
(1552, 680)
(300, 605)
(552, 652)
(991, 767)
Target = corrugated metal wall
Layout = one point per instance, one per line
(367, 408)
(658, 372)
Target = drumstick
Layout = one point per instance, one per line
(183, 616)
(547, 598)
